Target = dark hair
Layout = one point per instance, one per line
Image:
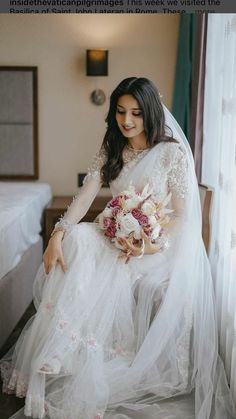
(148, 98)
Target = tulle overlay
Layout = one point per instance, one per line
(88, 328)
(134, 340)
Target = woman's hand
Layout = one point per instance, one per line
(150, 248)
(54, 253)
(130, 249)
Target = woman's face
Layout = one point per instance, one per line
(129, 116)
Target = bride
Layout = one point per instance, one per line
(125, 340)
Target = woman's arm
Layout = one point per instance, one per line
(79, 205)
(75, 212)
(178, 187)
(83, 200)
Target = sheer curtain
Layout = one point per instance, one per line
(219, 171)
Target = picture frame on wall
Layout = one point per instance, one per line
(19, 123)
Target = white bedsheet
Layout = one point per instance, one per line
(21, 209)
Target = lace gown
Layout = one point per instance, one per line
(87, 350)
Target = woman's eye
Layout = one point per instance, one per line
(134, 113)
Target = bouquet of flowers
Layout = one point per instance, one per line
(134, 215)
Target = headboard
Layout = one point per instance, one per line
(18, 123)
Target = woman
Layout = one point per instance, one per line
(126, 340)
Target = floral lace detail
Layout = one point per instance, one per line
(130, 159)
(96, 165)
(49, 306)
(169, 173)
(93, 171)
(63, 225)
(114, 351)
(14, 382)
(134, 155)
(177, 179)
(51, 367)
(88, 342)
(118, 347)
(6, 371)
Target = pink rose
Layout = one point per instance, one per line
(107, 222)
(114, 202)
(111, 231)
(115, 211)
(142, 219)
(136, 213)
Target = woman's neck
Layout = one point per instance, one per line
(137, 143)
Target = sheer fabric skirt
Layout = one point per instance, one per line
(91, 351)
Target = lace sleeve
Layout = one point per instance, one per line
(177, 177)
(178, 185)
(95, 168)
(83, 200)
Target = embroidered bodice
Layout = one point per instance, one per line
(165, 172)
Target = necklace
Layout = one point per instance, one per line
(136, 150)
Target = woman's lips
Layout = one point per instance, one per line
(127, 128)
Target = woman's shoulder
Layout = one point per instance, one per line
(171, 147)
(170, 151)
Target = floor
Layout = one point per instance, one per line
(10, 404)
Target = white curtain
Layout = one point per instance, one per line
(219, 171)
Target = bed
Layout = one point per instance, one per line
(22, 206)
(22, 198)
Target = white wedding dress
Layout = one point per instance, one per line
(116, 340)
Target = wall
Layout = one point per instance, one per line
(71, 128)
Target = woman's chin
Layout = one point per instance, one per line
(128, 134)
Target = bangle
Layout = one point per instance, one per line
(62, 225)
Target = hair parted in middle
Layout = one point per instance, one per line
(148, 98)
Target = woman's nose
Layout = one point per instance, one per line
(127, 119)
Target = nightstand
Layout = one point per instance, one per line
(59, 206)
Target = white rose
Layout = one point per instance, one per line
(152, 221)
(119, 216)
(107, 212)
(129, 224)
(148, 208)
(131, 203)
(156, 232)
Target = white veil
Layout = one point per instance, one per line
(188, 312)
(182, 337)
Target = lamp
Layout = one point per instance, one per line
(97, 65)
